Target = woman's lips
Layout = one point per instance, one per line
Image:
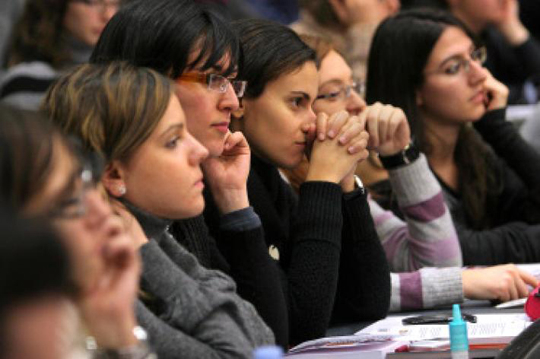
(221, 127)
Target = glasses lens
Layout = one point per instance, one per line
(239, 88)
(217, 83)
(479, 55)
(359, 86)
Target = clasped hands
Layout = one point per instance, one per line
(341, 141)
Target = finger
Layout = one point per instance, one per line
(384, 117)
(359, 143)
(336, 122)
(528, 278)
(512, 290)
(397, 119)
(521, 287)
(322, 124)
(372, 126)
(350, 132)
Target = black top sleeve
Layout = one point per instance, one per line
(520, 197)
(364, 278)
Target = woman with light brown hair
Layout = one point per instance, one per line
(131, 116)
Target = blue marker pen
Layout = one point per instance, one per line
(459, 342)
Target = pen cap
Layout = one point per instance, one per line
(458, 331)
(268, 352)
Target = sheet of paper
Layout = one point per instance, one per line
(487, 326)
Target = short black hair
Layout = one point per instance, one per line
(162, 34)
(269, 50)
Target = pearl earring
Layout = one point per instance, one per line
(122, 190)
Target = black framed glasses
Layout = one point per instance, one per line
(216, 82)
(344, 92)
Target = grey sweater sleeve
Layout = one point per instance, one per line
(201, 316)
(426, 288)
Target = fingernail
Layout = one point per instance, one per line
(331, 134)
(351, 150)
(343, 139)
(321, 136)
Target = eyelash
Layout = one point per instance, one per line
(297, 101)
(172, 143)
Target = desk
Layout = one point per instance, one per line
(469, 306)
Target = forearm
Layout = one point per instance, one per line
(314, 260)
(426, 288)
(428, 237)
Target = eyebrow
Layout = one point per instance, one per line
(332, 82)
(175, 127)
(303, 94)
(456, 56)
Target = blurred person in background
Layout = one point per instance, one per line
(44, 176)
(35, 290)
(50, 37)
(513, 55)
(348, 24)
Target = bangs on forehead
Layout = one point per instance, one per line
(214, 47)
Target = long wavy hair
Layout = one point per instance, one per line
(395, 79)
(38, 35)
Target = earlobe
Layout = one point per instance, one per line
(113, 180)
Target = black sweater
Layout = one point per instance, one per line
(327, 244)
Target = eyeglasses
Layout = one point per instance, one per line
(101, 5)
(216, 82)
(462, 65)
(74, 205)
(359, 86)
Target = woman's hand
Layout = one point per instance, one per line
(227, 174)
(503, 282)
(108, 308)
(510, 25)
(388, 128)
(337, 155)
(497, 93)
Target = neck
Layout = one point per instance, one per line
(442, 139)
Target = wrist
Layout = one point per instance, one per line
(231, 200)
(348, 184)
(408, 155)
(138, 349)
(321, 176)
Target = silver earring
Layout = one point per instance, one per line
(122, 190)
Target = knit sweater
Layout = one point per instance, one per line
(426, 237)
(189, 311)
(331, 262)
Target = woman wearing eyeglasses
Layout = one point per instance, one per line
(50, 37)
(44, 176)
(489, 176)
(332, 266)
